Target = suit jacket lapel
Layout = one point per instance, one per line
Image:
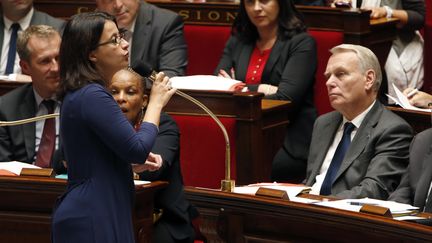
(142, 32)
(27, 110)
(327, 134)
(1, 33)
(273, 58)
(361, 138)
(424, 182)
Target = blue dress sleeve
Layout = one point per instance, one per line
(104, 117)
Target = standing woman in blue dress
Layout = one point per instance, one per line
(99, 142)
(272, 53)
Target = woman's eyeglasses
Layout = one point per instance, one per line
(116, 40)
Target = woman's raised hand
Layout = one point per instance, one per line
(161, 91)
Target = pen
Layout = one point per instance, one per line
(360, 203)
(412, 92)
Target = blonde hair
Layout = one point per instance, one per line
(40, 31)
(366, 59)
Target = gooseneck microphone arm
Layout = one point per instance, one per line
(227, 184)
(28, 120)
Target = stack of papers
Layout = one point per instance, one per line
(403, 101)
(356, 204)
(292, 190)
(15, 167)
(203, 82)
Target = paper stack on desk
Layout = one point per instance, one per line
(203, 82)
(355, 205)
(15, 167)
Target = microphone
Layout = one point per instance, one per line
(145, 70)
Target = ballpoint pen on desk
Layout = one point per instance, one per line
(361, 203)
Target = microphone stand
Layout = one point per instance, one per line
(227, 185)
(28, 120)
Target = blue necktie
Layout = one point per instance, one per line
(12, 49)
(337, 159)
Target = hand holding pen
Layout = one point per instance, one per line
(418, 98)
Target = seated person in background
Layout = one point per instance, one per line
(361, 149)
(415, 185)
(37, 142)
(155, 35)
(15, 17)
(127, 88)
(404, 65)
(420, 99)
(271, 52)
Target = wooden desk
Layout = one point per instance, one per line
(229, 217)
(6, 86)
(26, 206)
(419, 120)
(260, 127)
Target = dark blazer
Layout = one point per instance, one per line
(415, 183)
(291, 66)
(18, 142)
(38, 18)
(176, 209)
(158, 40)
(376, 159)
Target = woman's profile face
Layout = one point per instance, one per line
(262, 13)
(111, 53)
(127, 90)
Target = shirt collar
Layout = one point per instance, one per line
(357, 121)
(39, 99)
(24, 22)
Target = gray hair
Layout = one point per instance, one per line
(40, 31)
(367, 60)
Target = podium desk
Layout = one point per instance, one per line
(235, 218)
(26, 206)
(419, 120)
(259, 131)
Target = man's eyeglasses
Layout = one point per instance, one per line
(115, 40)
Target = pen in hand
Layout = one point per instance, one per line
(412, 93)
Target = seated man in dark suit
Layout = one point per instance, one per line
(415, 186)
(155, 35)
(38, 142)
(15, 17)
(361, 149)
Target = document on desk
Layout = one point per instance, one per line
(292, 190)
(203, 82)
(15, 167)
(356, 204)
(403, 101)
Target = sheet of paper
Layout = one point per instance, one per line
(408, 218)
(16, 166)
(403, 101)
(139, 182)
(356, 204)
(203, 82)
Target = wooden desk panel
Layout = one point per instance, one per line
(6, 86)
(26, 206)
(229, 217)
(419, 120)
(260, 127)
